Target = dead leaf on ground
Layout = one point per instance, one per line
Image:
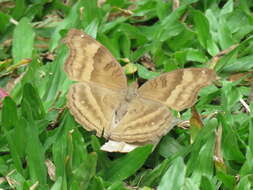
(248, 76)
(196, 124)
(147, 62)
(50, 169)
(218, 158)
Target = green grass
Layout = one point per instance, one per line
(36, 128)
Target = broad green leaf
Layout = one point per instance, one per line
(35, 155)
(117, 186)
(70, 21)
(225, 35)
(190, 185)
(30, 95)
(247, 167)
(228, 181)
(133, 33)
(18, 11)
(244, 183)
(14, 152)
(207, 184)
(23, 40)
(146, 74)
(201, 155)
(226, 60)
(162, 8)
(126, 47)
(230, 96)
(174, 178)
(86, 170)
(103, 160)
(9, 114)
(59, 148)
(250, 141)
(203, 32)
(90, 12)
(57, 184)
(4, 21)
(196, 56)
(112, 44)
(240, 65)
(186, 38)
(230, 146)
(127, 165)
(170, 26)
(204, 162)
(32, 75)
(169, 146)
(96, 184)
(92, 28)
(56, 82)
(227, 8)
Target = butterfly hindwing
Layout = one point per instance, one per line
(145, 122)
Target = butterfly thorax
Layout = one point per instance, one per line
(131, 92)
(121, 110)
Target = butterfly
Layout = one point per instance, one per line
(128, 116)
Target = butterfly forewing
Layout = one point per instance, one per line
(177, 89)
(89, 60)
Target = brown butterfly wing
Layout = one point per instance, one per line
(177, 89)
(145, 122)
(90, 61)
(93, 106)
(101, 82)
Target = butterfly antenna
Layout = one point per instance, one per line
(103, 131)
